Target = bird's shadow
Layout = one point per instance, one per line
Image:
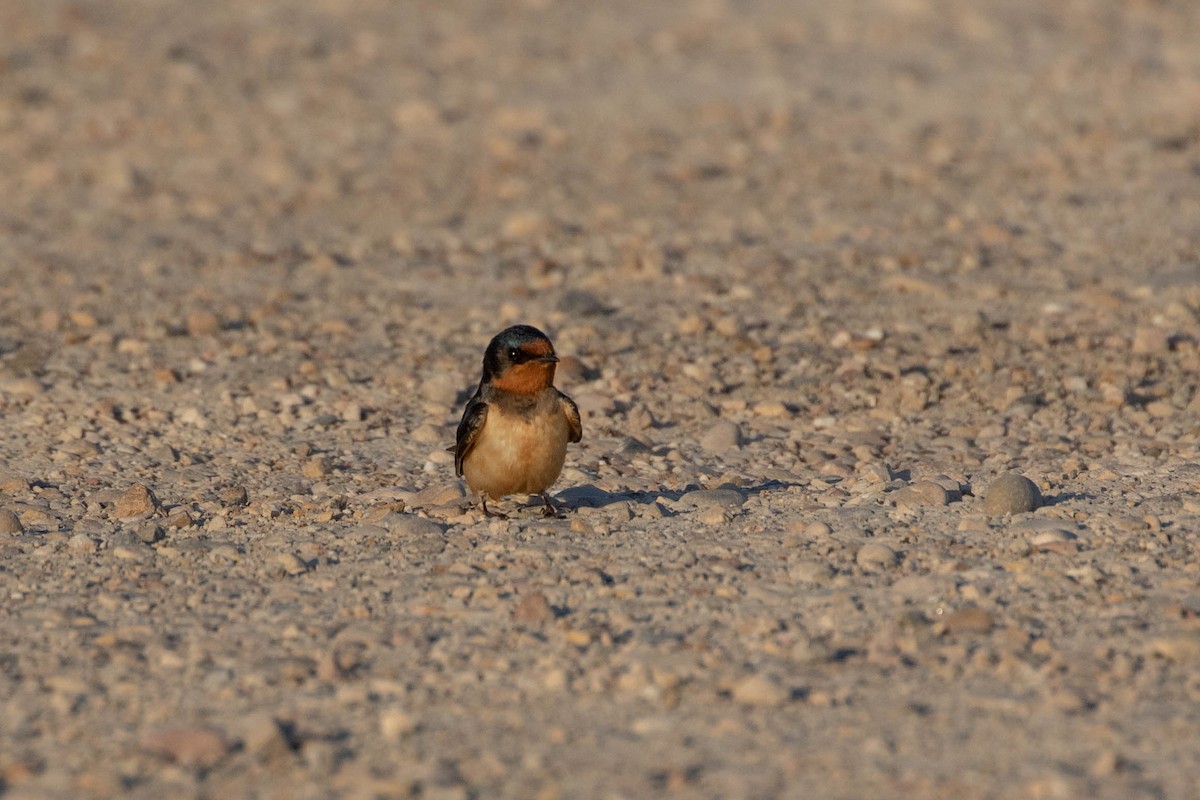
(589, 496)
(1066, 497)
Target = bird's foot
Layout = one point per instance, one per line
(487, 512)
(549, 509)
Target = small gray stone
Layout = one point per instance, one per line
(969, 620)
(396, 724)
(10, 522)
(419, 538)
(876, 471)
(533, 608)
(921, 493)
(722, 437)
(316, 467)
(94, 527)
(81, 543)
(439, 494)
(876, 555)
(1051, 536)
(135, 501)
(1011, 493)
(372, 532)
(1149, 340)
(190, 747)
(817, 530)
(138, 553)
(810, 572)
(149, 532)
(378, 511)
(264, 738)
(282, 564)
(233, 497)
(953, 488)
(410, 526)
(757, 690)
(203, 322)
(713, 498)
(1040, 532)
(223, 552)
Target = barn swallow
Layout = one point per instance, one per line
(514, 432)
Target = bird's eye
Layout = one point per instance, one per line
(513, 353)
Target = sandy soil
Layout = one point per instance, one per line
(823, 271)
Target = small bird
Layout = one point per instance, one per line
(514, 431)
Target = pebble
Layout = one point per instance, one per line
(1150, 341)
(286, 564)
(953, 488)
(1011, 493)
(199, 748)
(969, 620)
(1051, 536)
(875, 472)
(714, 515)
(969, 324)
(439, 494)
(809, 651)
(38, 518)
(376, 513)
(13, 485)
(263, 738)
(921, 493)
(919, 588)
(135, 501)
(409, 525)
(770, 408)
(396, 724)
(222, 552)
(533, 609)
(817, 530)
(973, 522)
(149, 532)
(713, 498)
(132, 553)
(21, 387)
(316, 467)
(233, 496)
(10, 522)
(810, 572)
(81, 543)
(203, 323)
(758, 690)
(722, 437)
(875, 555)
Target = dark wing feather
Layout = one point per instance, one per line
(473, 418)
(572, 412)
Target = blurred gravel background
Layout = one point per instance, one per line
(829, 279)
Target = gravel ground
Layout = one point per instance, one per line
(827, 280)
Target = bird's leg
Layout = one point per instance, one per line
(488, 512)
(548, 509)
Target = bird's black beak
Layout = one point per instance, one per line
(549, 358)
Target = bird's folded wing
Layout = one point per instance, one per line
(573, 420)
(468, 431)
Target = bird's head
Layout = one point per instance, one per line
(521, 360)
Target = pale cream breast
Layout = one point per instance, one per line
(518, 454)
